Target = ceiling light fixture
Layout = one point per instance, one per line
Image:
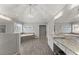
(58, 15)
(30, 11)
(5, 18)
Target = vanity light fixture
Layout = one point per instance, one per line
(58, 15)
(5, 18)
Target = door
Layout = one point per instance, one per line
(42, 31)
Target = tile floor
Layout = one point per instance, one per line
(32, 46)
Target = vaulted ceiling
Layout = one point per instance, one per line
(69, 14)
(35, 13)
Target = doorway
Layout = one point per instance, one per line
(42, 31)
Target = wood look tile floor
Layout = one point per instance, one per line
(31, 46)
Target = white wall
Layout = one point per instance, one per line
(12, 27)
(9, 43)
(9, 26)
(58, 28)
(50, 33)
(62, 28)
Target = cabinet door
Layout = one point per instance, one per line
(60, 46)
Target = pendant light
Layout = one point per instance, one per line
(30, 11)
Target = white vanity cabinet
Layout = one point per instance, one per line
(64, 48)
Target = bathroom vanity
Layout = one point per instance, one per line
(68, 46)
(66, 38)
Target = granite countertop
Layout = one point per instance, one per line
(66, 34)
(71, 44)
(27, 34)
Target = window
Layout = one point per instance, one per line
(67, 28)
(28, 29)
(18, 28)
(75, 28)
